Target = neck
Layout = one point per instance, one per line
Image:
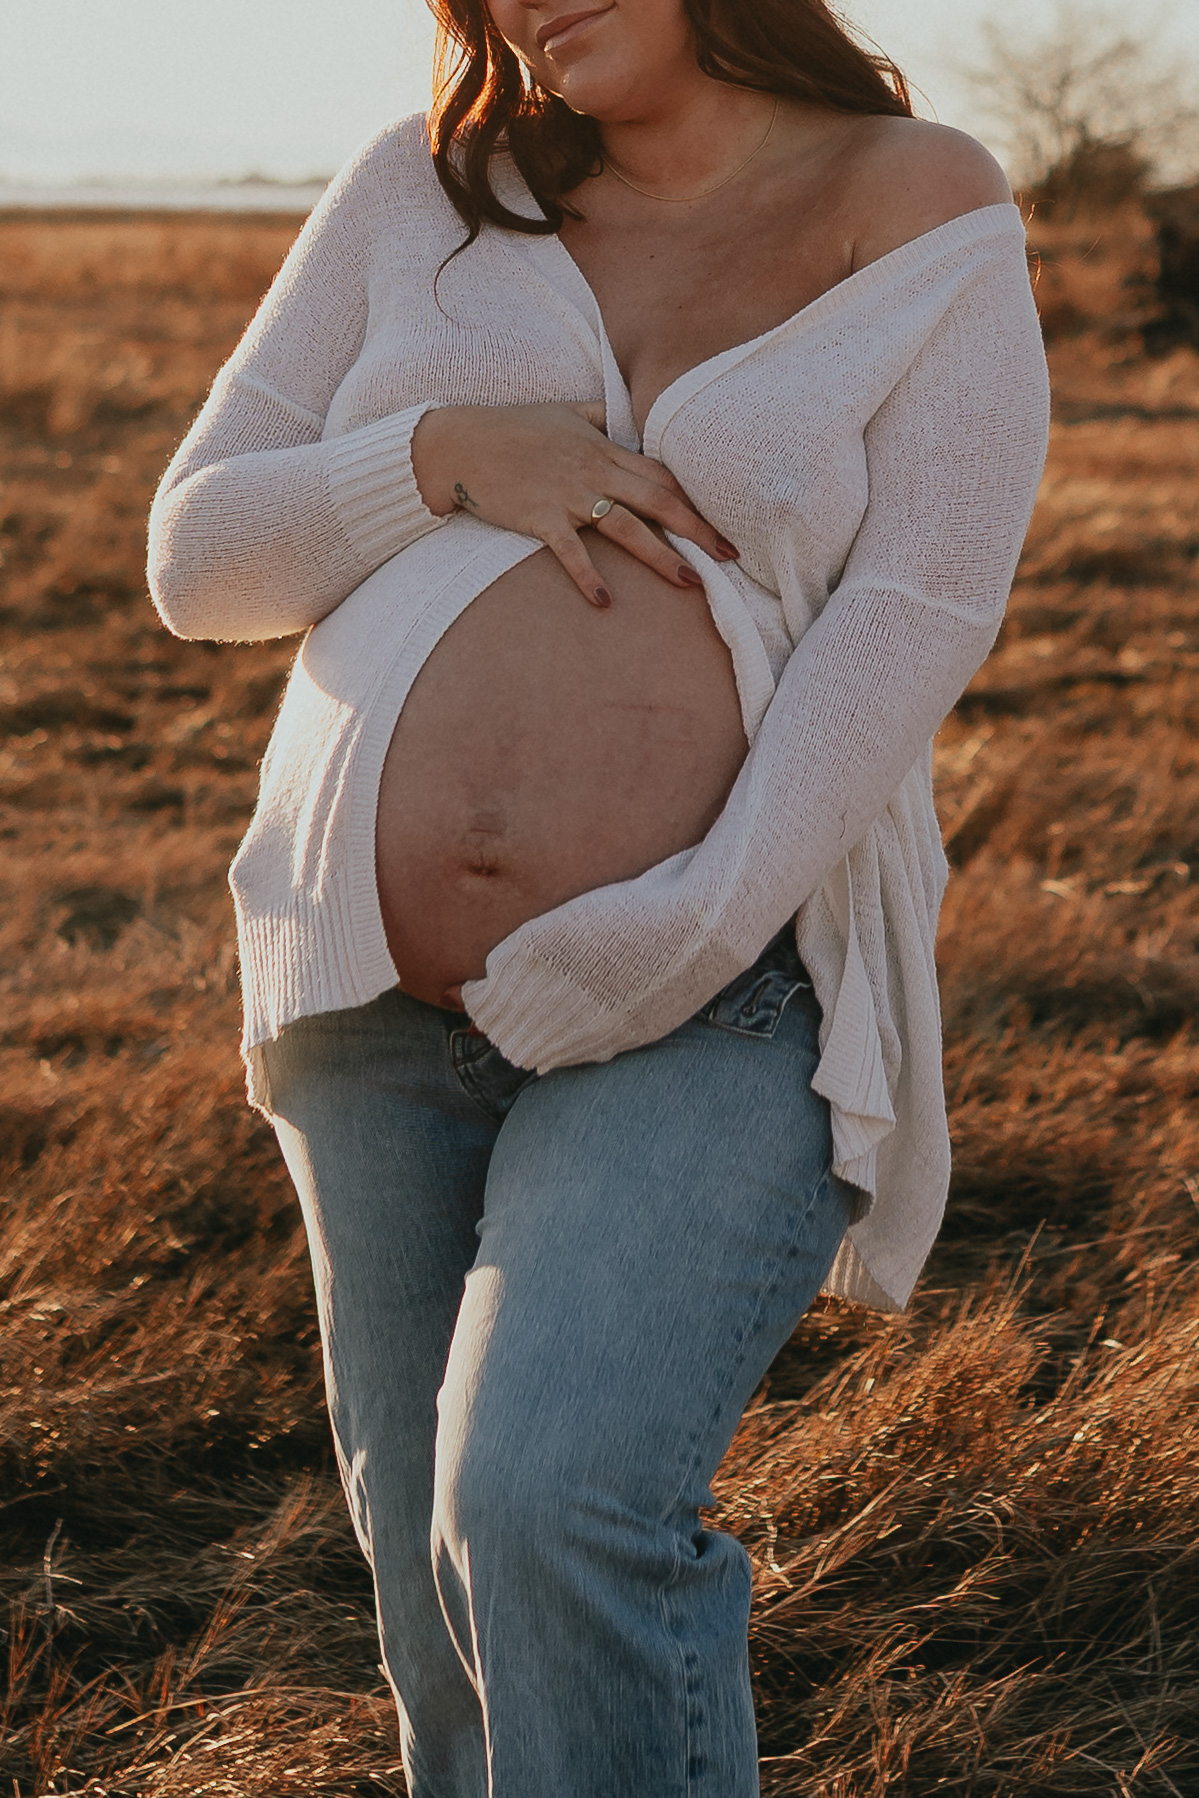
(692, 139)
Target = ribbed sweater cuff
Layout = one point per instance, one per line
(373, 488)
(539, 1020)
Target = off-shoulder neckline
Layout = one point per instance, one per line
(960, 231)
(999, 218)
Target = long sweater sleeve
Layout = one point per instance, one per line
(261, 526)
(954, 456)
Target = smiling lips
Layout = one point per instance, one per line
(566, 22)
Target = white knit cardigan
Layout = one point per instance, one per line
(875, 459)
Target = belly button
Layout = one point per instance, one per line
(481, 845)
(485, 867)
(479, 857)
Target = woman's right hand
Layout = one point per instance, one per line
(540, 470)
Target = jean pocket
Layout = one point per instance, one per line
(753, 1003)
(490, 1079)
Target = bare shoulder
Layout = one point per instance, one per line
(909, 176)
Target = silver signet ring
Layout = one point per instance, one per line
(600, 509)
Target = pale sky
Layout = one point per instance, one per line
(175, 90)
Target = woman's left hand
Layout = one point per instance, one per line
(540, 470)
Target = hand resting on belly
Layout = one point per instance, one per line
(545, 749)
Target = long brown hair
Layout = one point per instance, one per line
(483, 94)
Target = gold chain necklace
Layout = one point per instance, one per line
(685, 199)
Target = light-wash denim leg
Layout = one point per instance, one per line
(595, 1268)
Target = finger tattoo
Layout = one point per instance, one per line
(463, 498)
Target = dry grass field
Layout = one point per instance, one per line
(974, 1527)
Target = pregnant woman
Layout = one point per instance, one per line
(644, 445)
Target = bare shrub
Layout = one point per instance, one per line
(1089, 107)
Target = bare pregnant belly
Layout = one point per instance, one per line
(547, 748)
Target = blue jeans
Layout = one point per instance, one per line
(544, 1302)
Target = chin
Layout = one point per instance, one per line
(609, 102)
(595, 87)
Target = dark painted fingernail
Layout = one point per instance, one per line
(726, 549)
(689, 577)
(602, 598)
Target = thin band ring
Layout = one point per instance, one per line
(600, 509)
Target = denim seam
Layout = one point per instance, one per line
(681, 1663)
(738, 1361)
(765, 1292)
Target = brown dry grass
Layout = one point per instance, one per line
(974, 1528)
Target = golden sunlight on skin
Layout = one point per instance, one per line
(547, 748)
(502, 797)
(600, 744)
